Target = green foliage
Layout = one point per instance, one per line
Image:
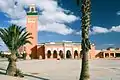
(17, 54)
(31, 13)
(24, 55)
(14, 37)
(0, 53)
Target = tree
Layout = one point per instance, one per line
(86, 21)
(14, 37)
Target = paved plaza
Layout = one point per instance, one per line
(100, 69)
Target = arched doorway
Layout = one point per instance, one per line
(68, 54)
(48, 54)
(117, 54)
(61, 54)
(54, 54)
(75, 54)
(106, 55)
(112, 55)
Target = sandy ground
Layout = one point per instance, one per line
(101, 69)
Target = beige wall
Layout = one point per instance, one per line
(71, 47)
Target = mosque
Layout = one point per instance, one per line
(49, 50)
(54, 50)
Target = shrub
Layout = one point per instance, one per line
(24, 55)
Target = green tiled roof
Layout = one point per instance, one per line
(31, 13)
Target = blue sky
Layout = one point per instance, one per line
(56, 25)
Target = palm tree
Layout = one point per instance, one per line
(85, 19)
(14, 37)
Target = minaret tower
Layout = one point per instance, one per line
(31, 27)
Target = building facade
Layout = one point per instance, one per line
(50, 50)
(62, 50)
(109, 53)
(71, 50)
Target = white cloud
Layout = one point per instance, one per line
(52, 17)
(108, 44)
(56, 27)
(115, 28)
(12, 11)
(78, 33)
(20, 22)
(97, 29)
(118, 13)
(57, 16)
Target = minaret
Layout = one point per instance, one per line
(31, 27)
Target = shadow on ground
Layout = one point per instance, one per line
(2, 71)
(35, 77)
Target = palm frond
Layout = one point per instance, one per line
(14, 37)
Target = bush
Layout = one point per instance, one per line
(1, 54)
(24, 55)
(17, 54)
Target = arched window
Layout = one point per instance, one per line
(68, 54)
(106, 54)
(54, 54)
(75, 54)
(48, 54)
(32, 9)
(61, 54)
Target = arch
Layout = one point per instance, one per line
(32, 9)
(48, 54)
(68, 54)
(117, 54)
(54, 54)
(111, 54)
(107, 55)
(61, 54)
(75, 54)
